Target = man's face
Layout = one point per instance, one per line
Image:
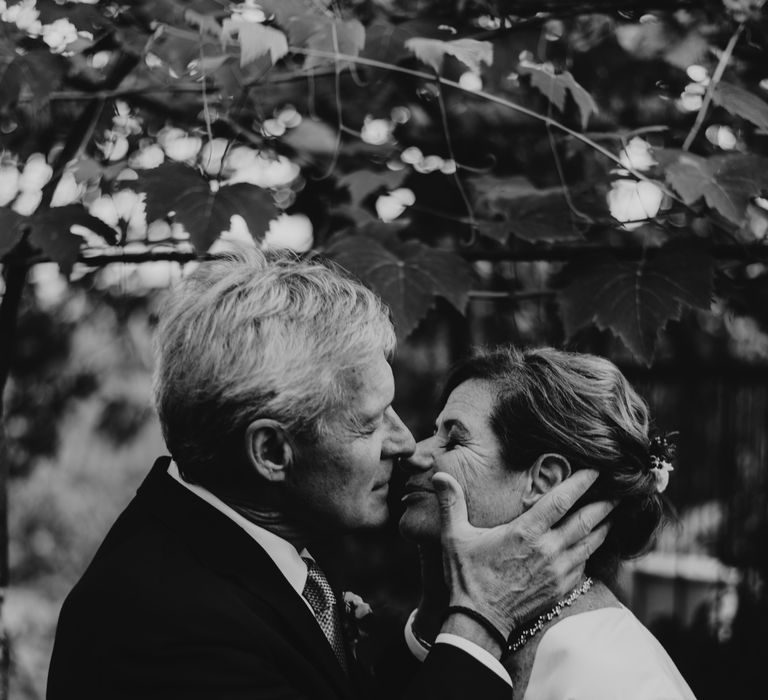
(340, 483)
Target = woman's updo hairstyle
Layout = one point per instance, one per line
(581, 407)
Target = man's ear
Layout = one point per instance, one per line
(268, 450)
(547, 471)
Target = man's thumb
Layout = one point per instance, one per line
(453, 506)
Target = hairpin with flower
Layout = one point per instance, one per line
(662, 452)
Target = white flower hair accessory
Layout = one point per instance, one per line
(662, 453)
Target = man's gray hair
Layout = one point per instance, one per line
(258, 335)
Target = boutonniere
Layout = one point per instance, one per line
(356, 620)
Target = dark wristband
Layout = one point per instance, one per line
(480, 619)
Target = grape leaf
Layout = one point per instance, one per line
(286, 10)
(362, 183)
(206, 23)
(204, 210)
(406, 275)
(83, 16)
(556, 86)
(727, 183)
(742, 103)
(50, 230)
(10, 230)
(27, 79)
(386, 41)
(326, 35)
(540, 218)
(255, 39)
(471, 52)
(171, 11)
(513, 206)
(636, 299)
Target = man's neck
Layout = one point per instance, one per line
(263, 511)
(271, 520)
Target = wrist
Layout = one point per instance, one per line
(473, 626)
(427, 619)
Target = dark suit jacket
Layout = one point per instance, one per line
(180, 602)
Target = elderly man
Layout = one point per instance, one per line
(275, 397)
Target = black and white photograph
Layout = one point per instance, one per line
(383, 349)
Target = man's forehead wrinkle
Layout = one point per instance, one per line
(371, 391)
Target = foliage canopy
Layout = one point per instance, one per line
(626, 147)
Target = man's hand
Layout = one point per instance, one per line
(510, 572)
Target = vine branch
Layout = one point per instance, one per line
(372, 63)
(716, 78)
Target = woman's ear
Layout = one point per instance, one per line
(547, 471)
(268, 450)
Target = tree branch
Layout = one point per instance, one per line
(514, 252)
(15, 278)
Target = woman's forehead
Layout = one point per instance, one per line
(472, 399)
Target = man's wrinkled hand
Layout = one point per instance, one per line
(511, 572)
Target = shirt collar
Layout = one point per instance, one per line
(285, 556)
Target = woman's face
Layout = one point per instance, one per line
(464, 446)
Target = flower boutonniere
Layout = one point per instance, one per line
(356, 620)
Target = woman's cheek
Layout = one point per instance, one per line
(460, 468)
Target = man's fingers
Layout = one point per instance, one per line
(453, 506)
(552, 506)
(580, 524)
(576, 556)
(592, 541)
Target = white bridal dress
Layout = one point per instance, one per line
(603, 654)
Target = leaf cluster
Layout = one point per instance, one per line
(484, 136)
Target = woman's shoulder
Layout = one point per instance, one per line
(603, 653)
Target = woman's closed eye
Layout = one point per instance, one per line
(448, 442)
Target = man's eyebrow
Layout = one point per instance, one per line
(381, 408)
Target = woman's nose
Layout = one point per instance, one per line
(422, 459)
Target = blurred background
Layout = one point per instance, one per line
(573, 153)
(83, 434)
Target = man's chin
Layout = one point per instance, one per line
(375, 517)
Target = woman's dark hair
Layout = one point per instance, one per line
(581, 407)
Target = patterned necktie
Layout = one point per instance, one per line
(319, 595)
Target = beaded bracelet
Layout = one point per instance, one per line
(497, 635)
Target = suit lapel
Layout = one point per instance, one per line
(229, 550)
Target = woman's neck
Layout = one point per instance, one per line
(520, 663)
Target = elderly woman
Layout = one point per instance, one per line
(514, 424)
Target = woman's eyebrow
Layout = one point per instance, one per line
(454, 424)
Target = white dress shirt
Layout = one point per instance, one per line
(290, 564)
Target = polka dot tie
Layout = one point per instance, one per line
(319, 594)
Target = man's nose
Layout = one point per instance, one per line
(422, 458)
(400, 442)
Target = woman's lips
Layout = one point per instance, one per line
(415, 493)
